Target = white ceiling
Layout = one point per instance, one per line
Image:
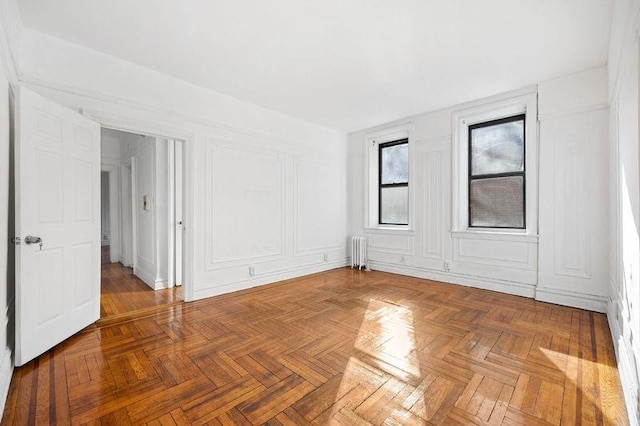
(347, 64)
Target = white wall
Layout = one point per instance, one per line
(574, 190)
(150, 178)
(624, 237)
(430, 249)
(266, 192)
(573, 197)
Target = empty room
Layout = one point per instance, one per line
(300, 212)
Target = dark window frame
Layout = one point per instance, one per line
(390, 185)
(523, 173)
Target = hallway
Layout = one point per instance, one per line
(121, 292)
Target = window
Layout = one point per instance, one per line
(393, 190)
(497, 173)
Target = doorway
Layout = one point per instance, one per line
(143, 195)
(105, 255)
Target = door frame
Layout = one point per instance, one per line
(171, 214)
(157, 129)
(114, 211)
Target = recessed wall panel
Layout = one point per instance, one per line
(245, 211)
(319, 206)
(432, 205)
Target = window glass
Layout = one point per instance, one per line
(497, 148)
(394, 163)
(393, 191)
(497, 173)
(394, 205)
(497, 202)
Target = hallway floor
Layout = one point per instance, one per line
(122, 292)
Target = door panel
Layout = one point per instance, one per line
(57, 188)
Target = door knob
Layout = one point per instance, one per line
(29, 239)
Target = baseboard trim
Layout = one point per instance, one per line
(268, 278)
(6, 372)
(630, 388)
(509, 287)
(590, 302)
(146, 278)
(6, 360)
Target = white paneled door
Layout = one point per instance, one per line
(58, 223)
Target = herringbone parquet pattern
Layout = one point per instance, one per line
(342, 347)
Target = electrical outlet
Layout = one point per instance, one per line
(446, 266)
(326, 257)
(252, 271)
(402, 259)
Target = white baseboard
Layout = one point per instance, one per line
(630, 386)
(509, 287)
(6, 372)
(268, 278)
(160, 284)
(589, 302)
(6, 358)
(146, 278)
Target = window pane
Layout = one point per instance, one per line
(395, 164)
(497, 202)
(394, 205)
(498, 148)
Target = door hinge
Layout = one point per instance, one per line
(15, 240)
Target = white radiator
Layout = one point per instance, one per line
(359, 252)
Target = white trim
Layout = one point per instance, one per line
(626, 372)
(6, 359)
(390, 230)
(509, 287)
(571, 111)
(501, 235)
(171, 213)
(271, 277)
(36, 82)
(134, 219)
(590, 302)
(525, 101)
(115, 240)
(188, 137)
(372, 140)
(155, 284)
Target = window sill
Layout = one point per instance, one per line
(497, 235)
(393, 230)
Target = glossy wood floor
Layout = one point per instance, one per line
(342, 347)
(121, 292)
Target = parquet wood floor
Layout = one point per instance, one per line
(121, 292)
(341, 347)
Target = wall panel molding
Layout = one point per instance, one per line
(326, 199)
(431, 165)
(255, 193)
